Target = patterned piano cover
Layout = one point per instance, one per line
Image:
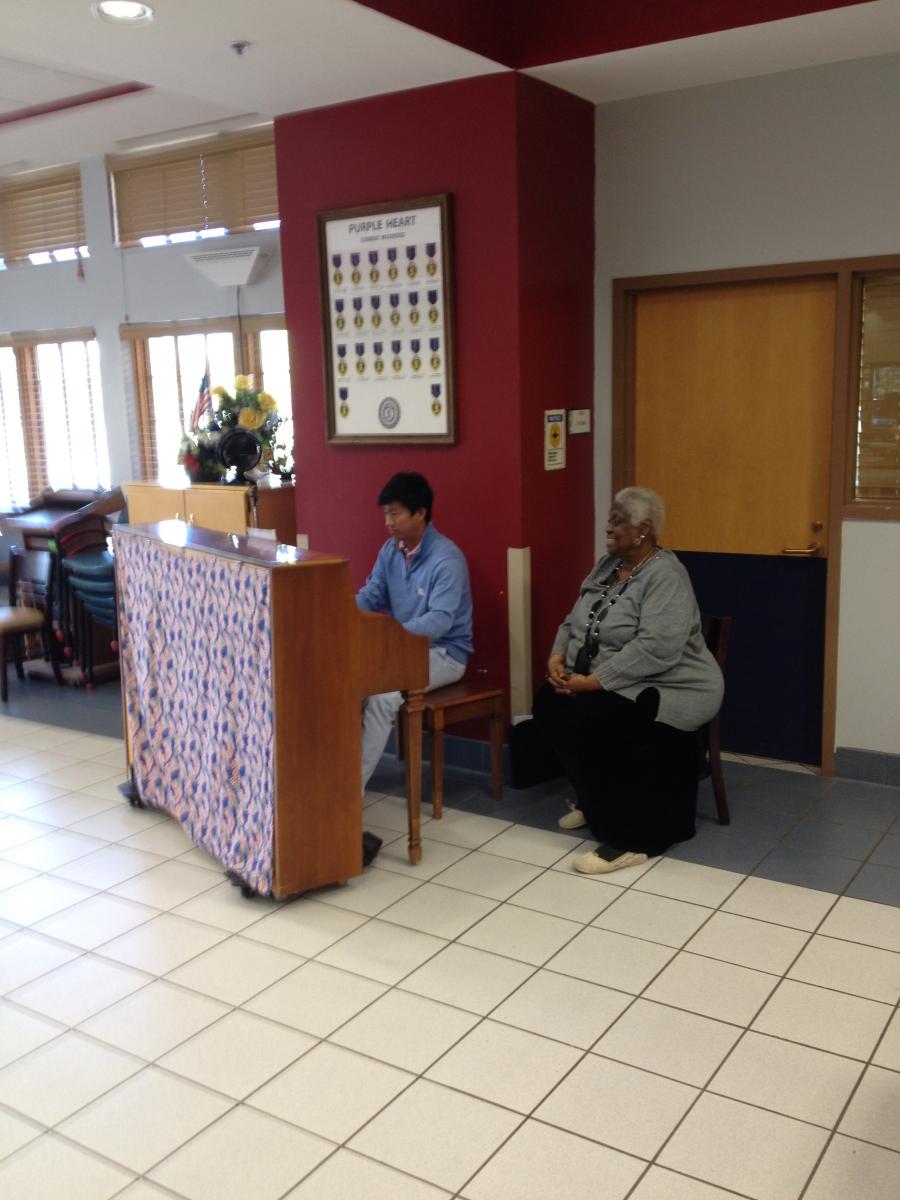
(195, 641)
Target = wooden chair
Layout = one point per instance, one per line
(716, 632)
(468, 700)
(15, 622)
(31, 585)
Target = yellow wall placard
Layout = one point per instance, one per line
(554, 439)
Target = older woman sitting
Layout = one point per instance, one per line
(629, 680)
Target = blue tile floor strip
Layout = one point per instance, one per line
(836, 835)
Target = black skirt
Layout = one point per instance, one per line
(635, 779)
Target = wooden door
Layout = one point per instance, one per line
(732, 399)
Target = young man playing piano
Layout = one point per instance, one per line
(421, 579)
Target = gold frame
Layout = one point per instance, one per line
(445, 379)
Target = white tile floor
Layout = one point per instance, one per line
(487, 1025)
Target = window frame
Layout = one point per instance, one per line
(851, 283)
(248, 356)
(24, 346)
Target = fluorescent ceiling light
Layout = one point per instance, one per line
(123, 12)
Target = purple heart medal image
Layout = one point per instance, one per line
(389, 344)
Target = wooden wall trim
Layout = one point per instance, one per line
(624, 303)
(840, 432)
(766, 273)
(847, 274)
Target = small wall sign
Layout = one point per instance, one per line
(554, 439)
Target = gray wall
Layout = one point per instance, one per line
(793, 167)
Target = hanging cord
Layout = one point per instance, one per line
(240, 322)
(122, 253)
(80, 235)
(203, 196)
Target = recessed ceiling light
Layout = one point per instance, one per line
(123, 12)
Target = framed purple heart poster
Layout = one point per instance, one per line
(387, 319)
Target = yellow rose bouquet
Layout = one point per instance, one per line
(244, 407)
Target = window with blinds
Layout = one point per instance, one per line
(42, 216)
(51, 415)
(226, 185)
(877, 476)
(168, 365)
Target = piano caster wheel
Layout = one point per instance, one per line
(235, 880)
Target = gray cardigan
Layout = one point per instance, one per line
(650, 637)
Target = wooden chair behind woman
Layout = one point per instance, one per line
(716, 632)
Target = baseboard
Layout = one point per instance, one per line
(872, 766)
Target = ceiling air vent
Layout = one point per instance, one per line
(229, 268)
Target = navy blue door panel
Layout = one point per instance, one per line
(774, 673)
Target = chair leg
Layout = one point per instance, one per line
(398, 737)
(53, 653)
(715, 770)
(18, 646)
(497, 750)
(4, 685)
(437, 765)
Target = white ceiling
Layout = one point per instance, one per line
(308, 53)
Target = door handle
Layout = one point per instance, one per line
(812, 549)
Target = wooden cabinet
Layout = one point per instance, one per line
(224, 508)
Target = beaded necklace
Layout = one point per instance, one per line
(601, 607)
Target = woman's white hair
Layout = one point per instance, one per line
(640, 504)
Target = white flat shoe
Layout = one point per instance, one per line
(572, 820)
(593, 863)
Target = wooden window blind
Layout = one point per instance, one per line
(225, 183)
(51, 409)
(877, 475)
(44, 214)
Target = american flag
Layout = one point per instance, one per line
(204, 400)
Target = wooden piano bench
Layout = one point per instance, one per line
(468, 700)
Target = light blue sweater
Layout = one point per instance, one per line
(430, 596)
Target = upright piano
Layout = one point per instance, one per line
(244, 665)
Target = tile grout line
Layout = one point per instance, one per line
(484, 1017)
(833, 1133)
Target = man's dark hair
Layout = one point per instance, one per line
(411, 490)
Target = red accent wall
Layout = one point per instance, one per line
(556, 331)
(516, 157)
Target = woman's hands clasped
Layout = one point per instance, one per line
(568, 683)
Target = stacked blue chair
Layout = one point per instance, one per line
(88, 591)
